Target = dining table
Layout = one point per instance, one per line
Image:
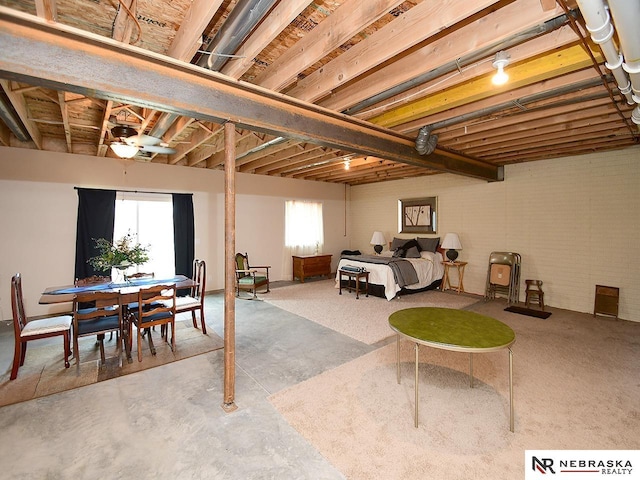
(128, 290)
(128, 293)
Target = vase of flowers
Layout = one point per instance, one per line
(119, 255)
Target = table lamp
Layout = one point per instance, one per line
(452, 243)
(377, 240)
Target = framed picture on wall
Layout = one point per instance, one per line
(417, 215)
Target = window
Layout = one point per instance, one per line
(150, 218)
(303, 225)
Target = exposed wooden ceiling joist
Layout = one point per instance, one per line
(103, 68)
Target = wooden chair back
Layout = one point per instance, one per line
(140, 276)
(17, 306)
(25, 330)
(97, 313)
(156, 305)
(93, 280)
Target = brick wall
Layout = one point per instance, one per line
(575, 221)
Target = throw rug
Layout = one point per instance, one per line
(365, 319)
(527, 311)
(43, 372)
(362, 421)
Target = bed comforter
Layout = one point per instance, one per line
(394, 275)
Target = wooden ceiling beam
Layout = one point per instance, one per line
(114, 71)
(414, 26)
(279, 18)
(527, 73)
(506, 22)
(345, 22)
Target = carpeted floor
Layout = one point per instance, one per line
(43, 372)
(575, 381)
(364, 319)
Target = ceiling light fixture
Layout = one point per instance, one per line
(124, 150)
(501, 61)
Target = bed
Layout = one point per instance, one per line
(391, 275)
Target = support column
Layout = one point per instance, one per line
(229, 267)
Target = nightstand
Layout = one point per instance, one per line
(446, 280)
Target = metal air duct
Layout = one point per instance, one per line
(242, 20)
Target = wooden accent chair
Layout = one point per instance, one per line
(25, 330)
(195, 300)
(156, 306)
(533, 293)
(105, 316)
(250, 277)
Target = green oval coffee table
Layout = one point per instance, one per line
(455, 330)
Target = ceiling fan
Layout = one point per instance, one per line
(128, 142)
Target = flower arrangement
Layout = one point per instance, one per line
(120, 254)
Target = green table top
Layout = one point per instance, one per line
(451, 329)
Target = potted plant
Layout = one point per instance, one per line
(120, 254)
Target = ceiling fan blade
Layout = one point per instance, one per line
(157, 149)
(142, 140)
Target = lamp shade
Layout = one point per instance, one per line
(451, 240)
(377, 240)
(452, 243)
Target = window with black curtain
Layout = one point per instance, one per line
(96, 216)
(183, 233)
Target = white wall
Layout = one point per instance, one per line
(575, 221)
(38, 211)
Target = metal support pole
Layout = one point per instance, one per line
(417, 346)
(510, 390)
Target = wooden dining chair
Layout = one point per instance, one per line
(92, 280)
(105, 316)
(156, 306)
(25, 330)
(140, 276)
(194, 302)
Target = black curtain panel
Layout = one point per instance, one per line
(183, 233)
(96, 217)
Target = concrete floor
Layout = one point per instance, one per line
(167, 422)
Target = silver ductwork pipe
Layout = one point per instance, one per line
(240, 23)
(425, 142)
(626, 16)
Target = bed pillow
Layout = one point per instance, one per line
(428, 244)
(411, 244)
(399, 252)
(397, 243)
(412, 252)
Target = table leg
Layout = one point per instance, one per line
(398, 357)
(471, 370)
(357, 287)
(510, 390)
(417, 346)
(340, 283)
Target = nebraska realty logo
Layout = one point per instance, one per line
(581, 464)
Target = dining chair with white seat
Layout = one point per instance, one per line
(26, 330)
(195, 300)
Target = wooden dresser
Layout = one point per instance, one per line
(311, 265)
